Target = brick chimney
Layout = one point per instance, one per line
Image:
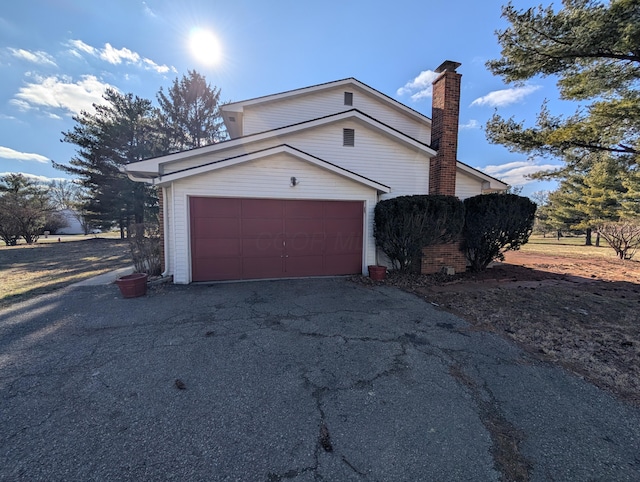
(444, 129)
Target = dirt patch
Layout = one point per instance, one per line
(580, 312)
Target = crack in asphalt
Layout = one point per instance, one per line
(506, 438)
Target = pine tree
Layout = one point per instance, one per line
(119, 132)
(190, 114)
(594, 50)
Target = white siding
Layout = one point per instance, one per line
(268, 177)
(466, 185)
(272, 115)
(375, 156)
(378, 157)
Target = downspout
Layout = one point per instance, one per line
(164, 232)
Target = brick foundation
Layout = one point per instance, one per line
(439, 256)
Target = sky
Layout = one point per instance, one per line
(58, 56)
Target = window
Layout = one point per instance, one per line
(348, 98)
(348, 137)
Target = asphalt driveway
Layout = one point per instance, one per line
(299, 380)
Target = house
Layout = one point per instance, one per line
(292, 192)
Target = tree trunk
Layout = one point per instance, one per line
(587, 241)
(597, 240)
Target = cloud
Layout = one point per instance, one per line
(82, 47)
(501, 98)
(420, 87)
(516, 173)
(116, 56)
(40, 179)
(37, 57)
(161, 69)
(472, 124)
(8, 153)
(62, 93)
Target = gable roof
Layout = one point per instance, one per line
(150, 168)
(250, 156)
(233, 111)
(490, 183)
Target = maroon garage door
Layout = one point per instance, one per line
(274, 238)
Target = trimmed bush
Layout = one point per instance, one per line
(406, 224)
(495, 223)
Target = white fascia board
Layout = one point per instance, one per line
(154, 166)
(281, 149)
(493, 183)
(239, 106)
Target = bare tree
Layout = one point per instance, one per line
(622, 236)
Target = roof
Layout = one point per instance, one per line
(501, 186)
(280, 149)
(233, 111)
(150, 168)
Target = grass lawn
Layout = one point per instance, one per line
(567, 246)
(28, 271)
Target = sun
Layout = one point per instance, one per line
(205, 47)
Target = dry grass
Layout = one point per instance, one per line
(572, 247)
(29, 271)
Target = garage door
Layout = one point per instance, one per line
(274, 238)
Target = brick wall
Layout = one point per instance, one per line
(439, 256)
(444, 130)
(442, 168)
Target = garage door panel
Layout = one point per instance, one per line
(261, 227)
(217, 269)
(343, 227)
(266, 238)
(216, 207)
(305, 245)
(262, 208)
(341, 210)
(217, 248)
(262, 247)
(255, 268)
(343, 264)
(216, 227)
(304, 210)
(295, 227)
(304, 266)
(342, 244)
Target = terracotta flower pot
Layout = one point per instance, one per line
(377, 273)
(133, 285)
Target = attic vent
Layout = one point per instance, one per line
(348, 98)
(348, 137)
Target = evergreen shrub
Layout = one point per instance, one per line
(495, 223)
(406, 224)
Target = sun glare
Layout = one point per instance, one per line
(205, 47)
